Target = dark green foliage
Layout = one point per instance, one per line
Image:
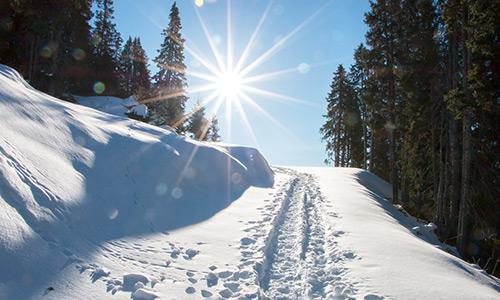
(213, 132)
(48, 42)
(107, 43)
(198, 125)
(342, 130)
(134, 73)
(427, 90)
(170, 81)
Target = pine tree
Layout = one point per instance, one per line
(170, 81)
(342, 130)
(213, 132)
(141, 85)
(358, 75)
(107, 43)
(48, 43)
(382, 39)
(198, 125)
(126, 66)
(134, 73)
(417, 73)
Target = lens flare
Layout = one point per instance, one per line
(99, 87)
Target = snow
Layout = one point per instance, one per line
(113, 105)
(389, 258)
(72, 178)
(96, 206)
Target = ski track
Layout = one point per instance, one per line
(300, 257)
(288, 251)
(299, 261)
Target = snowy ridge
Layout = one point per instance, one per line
(113, 105)
(72, 177)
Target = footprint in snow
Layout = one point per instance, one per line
(190, 253)
(212, 279)
(206, 293)
(175, 253)
(226, 293)
(247, 241)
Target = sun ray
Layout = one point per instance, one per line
(251, 41)
(203, 103)
(215, 52)
(264, 112)
(278, 46)
(286, 71)
(229, 42)
(195, 90)
(243, 115)
(189, 160)
(207, 65)
(278, 96)
(228, 119)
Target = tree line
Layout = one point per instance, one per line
(68, 48)
(420, 108)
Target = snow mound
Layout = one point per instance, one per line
(72, 177)
(255, 162)
(113, 105)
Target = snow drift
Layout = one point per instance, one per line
(114, 106)
(72, 176)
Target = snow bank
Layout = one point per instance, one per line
(260, 173)
(113, 105)
(394, 254)
(72, 177)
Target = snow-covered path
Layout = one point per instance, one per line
(300, 250)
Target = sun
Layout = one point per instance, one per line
(230, 82)
(229, 85)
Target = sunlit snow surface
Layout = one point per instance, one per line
(113, 105)
(95, 206)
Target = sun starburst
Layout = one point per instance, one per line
(229, 83)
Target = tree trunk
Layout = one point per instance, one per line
(442, 211)
(465, 201)
(454, 175)
(463, 217)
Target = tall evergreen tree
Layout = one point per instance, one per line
(198, 125)
(134, 73)
(342, 130)
(358, 75)
(126, 65)
(107, 43)
(48, 43)
(170, 81)
(382, 21)
(417, 63)
(141, 85)
(213, 131)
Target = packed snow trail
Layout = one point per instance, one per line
(297, 258)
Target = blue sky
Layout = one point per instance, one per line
(311, 55)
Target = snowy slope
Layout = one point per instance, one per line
(95, 206)
(72, 177)
(113, 105)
